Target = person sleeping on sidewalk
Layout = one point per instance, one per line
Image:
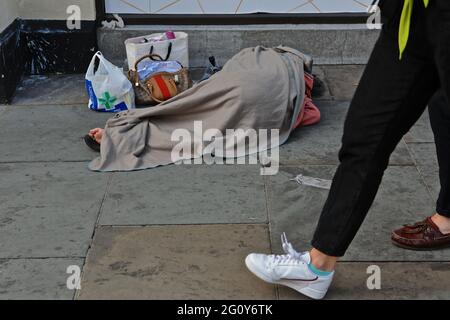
(310, 115)
(258, 89)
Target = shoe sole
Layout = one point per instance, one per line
(309, 292)
(91, 143)
(404, 246)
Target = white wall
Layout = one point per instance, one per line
(42, 10)
(54, 9)
(8, 12)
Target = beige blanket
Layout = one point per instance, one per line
(259, 88)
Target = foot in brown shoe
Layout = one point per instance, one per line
(423, 235)
(442, 222)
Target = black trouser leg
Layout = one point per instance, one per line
(392, 95)
(439, 25)
(439, 110)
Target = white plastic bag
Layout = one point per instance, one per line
(313, 182)
(176, 49)
(108, 88)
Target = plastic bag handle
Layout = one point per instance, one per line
(169, 51)
(97, 55)
(149, 56)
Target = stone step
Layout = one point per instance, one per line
(327, 44)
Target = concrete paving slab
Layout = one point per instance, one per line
(52, 90)
(2, 110)
(427, 164)
(421, 132)
(294, 209)
(47, 133)
(320, 144)
(403, 198)
(36, 279)
(399, 281)
(430, 175)
(48, 209)
(424, 153)
(186, 195)
(175, 262)
(343, 80)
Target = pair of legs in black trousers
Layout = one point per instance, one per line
(391, 97)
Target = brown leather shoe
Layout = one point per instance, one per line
(423, 235)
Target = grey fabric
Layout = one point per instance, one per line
(259, 88)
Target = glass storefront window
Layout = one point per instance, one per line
(233, 7)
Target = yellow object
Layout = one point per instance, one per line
(405, 24)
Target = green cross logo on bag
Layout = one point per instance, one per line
(107, 101)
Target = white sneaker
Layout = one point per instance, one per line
(290, 270)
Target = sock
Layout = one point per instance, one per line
(318, 272)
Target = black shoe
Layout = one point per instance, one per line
(91, 143)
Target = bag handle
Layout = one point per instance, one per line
(151, 56)
(91, 70)
(169, 51)
(134, 74)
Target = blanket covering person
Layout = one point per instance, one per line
(259, 88)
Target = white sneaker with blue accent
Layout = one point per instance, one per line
(293, 270)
